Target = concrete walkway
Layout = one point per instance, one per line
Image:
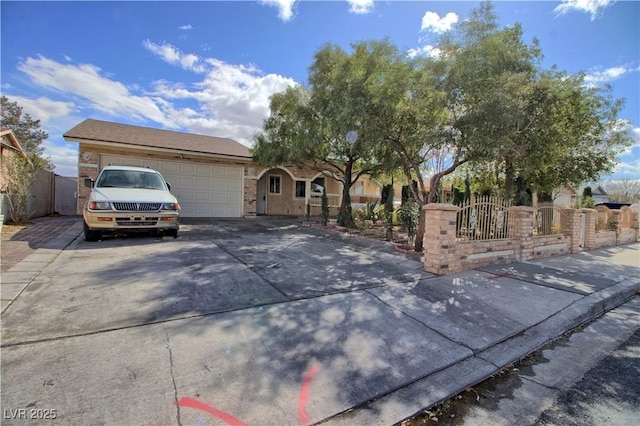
(37, 235)
(360, 349)
(25, 254)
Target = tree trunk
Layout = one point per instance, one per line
(420, 231)
(508, 180)
(345, 215)
(432, 197)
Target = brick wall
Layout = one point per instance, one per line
(444, 254)
(605, 239)
(628, 235)
(476, 254)
(551, 245)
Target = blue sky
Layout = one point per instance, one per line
(209, 67)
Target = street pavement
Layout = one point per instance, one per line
(609, 394)
(586, 377)
(270, 322)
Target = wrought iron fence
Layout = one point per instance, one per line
(548, 219)
(485, 218)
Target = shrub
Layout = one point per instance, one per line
(408, 215)
(325, 207)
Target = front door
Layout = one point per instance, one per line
(261, 198)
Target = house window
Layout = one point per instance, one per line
(317, 187)
(301, 189)
(274, 184)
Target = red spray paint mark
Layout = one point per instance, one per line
(225, 417)
(304, 395)
(498, 276)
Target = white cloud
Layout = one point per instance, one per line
(43, 109)
(610, 74)
(84, 81)
(174, 56)
(232, 100)
(428, 50)
(285, 8)
(634, 134)
(627, 170)
(185, 27)
(592, 7)
(432, 22)
(64, 157)
(361, 7)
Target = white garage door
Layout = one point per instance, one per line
(203, 190)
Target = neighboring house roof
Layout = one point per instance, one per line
(115, 133)
(596, 190)
(10, 141)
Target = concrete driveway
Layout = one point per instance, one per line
(269, 322)
(212, 267)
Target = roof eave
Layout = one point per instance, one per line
(68, 138)
(15, 144)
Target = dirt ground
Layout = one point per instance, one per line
(9, 230)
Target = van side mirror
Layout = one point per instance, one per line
(169, 186)
(88, 182)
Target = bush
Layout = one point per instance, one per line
(325, 207)
(408, 215)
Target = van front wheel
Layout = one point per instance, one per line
(90, 235)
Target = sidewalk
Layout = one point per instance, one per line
(374, 355)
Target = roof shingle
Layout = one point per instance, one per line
(105, 131)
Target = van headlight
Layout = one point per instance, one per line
(171, 206)
(99, 205)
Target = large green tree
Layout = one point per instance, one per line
(575, 137)
(328, 125)
(486, 74)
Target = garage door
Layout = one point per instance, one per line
(203, 190)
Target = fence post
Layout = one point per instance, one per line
(440, 239)
(571, 227)
(524, 230)
(591, 217)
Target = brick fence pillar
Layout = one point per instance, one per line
(440, 239)
(523, 230)
(591, 217)
(570, 226)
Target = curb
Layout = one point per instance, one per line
(426, 392)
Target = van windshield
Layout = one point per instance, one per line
(130, 179)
